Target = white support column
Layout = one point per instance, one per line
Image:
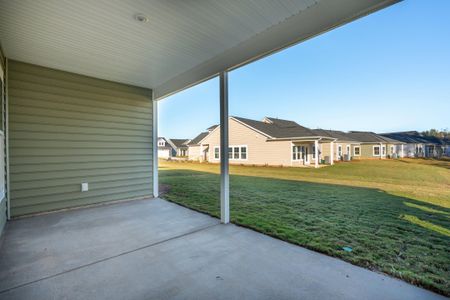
(155, 149)
(224, 168)
(316, 153)
(332, 153)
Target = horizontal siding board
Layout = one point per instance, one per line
(76, 195)
(74, 85)
(73, 144)
(75, 188)
(66, 129)
(47, 167)
(60, 120)
(52, 159)
(32, 127)
(78, 173)
(44, 207)
(51, 111)
(80, 108)
(54, 90)
(21, 152)
(75, 137)
(119, 104)
(24, 68)
(49, 183)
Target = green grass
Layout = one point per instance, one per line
(394, 214)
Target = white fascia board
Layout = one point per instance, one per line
(319, 18)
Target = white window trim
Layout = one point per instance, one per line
(232, 152)
(292, 153)
(354, 152)
(214, 152)
(339, 153)
(373, 150)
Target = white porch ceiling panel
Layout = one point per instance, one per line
(183, 42)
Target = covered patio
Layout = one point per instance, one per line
(80, 85)
(154, 249)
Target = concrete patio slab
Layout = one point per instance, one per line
(194, 258)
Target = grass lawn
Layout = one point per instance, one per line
(395, 215)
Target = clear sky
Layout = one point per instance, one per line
(389, 71)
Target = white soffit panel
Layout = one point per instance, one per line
(183, 42)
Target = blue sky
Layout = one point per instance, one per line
(389, 71)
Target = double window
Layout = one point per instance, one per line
(296, 152)
(357, 151)
(234, 152)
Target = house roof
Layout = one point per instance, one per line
(211, 128)
(340, 135)
(413, 137)
(371, 137)
(179, 142)
(278, 128)
(175, 45)
(198, 138)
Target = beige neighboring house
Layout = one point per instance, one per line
(346, 148)
(198, 151)
(375, 146)
(273, 142)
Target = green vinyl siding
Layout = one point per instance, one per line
(3, 208)
(66, 129)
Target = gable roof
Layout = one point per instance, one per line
(278, 128)
(179, 142)
(198, 138)
(413, 137)
(371, 137)
(340, 135)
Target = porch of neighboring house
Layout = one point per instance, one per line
(154, 249)
(314, 152)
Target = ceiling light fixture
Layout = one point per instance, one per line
(141, 18)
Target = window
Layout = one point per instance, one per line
(161, 143)
(357, 151)
(392, 150)
(234, 152)
(376, 150)
(243, 152)
(314, 151)
(216, 153)
(296, 153)
(383, 150)
(339, 150)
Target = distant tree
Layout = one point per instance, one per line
(442, 134)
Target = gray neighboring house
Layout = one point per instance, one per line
(418, 145)
(170, 148)
(373, 145)
(180, 147)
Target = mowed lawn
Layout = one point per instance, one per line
(393, 214)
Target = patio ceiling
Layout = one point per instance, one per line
(182, 42)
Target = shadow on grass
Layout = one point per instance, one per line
(396, 235)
